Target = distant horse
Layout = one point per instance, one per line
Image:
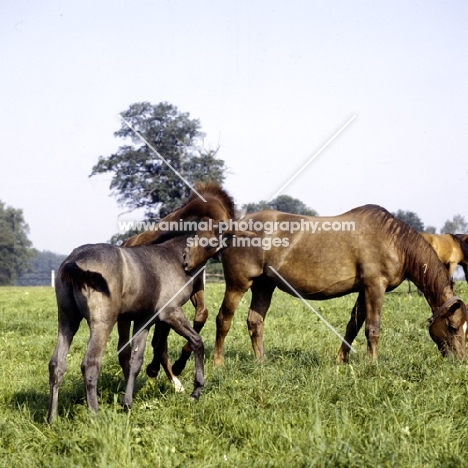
(374, 255)
(105, 284)
(219, 206)
(450, 249)
(464, 239)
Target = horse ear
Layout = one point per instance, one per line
(240, 213)
(453, 308)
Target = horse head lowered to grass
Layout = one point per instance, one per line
(366, 250)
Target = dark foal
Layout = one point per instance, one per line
(105, 284)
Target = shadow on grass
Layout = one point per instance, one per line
(277, 356)
(110, 385)
(37, 403)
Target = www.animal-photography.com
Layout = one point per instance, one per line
(233, 234)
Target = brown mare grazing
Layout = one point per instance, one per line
(219, 206)
(374, 257)
(105, 284)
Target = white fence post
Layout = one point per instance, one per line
(52, 278)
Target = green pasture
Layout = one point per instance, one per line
(299, 409)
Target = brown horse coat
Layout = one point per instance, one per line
(374, 257)
(450, 249)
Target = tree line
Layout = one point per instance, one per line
(141, 179)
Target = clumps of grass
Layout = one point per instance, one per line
(296, 409)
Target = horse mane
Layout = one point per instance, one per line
(212, 189)
(421, 263)
(169, 235)
(462, 237)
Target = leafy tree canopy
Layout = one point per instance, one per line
(16, 249)
(141, 179)
(411, 218)
(284, 203)
(458, 225)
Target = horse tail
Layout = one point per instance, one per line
(74, 276)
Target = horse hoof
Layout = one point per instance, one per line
(126, 406)
(195, 396)
(178, 367)
(179, 388)
(151, 371)
(218, 361)
(341, 359)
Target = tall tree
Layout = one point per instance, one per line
(458, 225)
(284, 203)
(140, 178)
(411, 218)
(16, 249)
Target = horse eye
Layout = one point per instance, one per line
(453, 330)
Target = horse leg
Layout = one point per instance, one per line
(201, 314)
(136, 361)
(69, 320)
(262, 292)
(169, 370)
(231, 300)
(91, 364)
(160, 356)
(451, 269)
(124, 347)
(373, 299)
(177, 320)
(159, 344)
(358, 315)
(465, 270)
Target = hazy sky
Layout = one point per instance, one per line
(269, 81)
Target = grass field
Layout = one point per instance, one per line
(299, 409)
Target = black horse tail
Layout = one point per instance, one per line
(73, 275)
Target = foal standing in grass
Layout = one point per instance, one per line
(105, 284)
